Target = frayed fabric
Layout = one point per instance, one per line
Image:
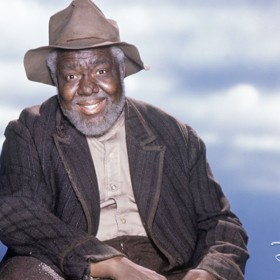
(27, 268)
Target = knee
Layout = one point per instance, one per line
(27, 268)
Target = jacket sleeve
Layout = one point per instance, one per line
(221, 244)
(28, 224)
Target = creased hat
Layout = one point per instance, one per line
(81, 25)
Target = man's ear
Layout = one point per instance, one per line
(123, 70)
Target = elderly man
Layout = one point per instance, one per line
(94, 184)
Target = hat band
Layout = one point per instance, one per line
(83, 43)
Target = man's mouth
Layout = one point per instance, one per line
(92, 107)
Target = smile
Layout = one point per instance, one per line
(93, 107)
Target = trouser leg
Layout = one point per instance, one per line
(27, 268)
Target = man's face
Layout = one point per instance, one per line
(90, 89)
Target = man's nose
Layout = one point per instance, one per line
(87, 86)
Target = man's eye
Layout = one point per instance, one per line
(71, 77)
(101, 72)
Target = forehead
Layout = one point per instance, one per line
(88, 56)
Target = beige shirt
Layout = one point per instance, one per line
(119, 213)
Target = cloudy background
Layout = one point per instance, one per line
(213, 64)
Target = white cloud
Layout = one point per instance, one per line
(240, 107)
(202, 34)
(24, 25)
(8, 114)
(12, 74)
(256, 142)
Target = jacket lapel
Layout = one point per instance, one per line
(145, 161)
(74, 152)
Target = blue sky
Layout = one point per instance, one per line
(214, 64)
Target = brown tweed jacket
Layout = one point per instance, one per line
(49, 200)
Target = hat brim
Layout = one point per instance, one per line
(36, 68)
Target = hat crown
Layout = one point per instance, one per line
(82, 20)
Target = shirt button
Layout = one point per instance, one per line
(123, 220)
(111, 155)
(113, 187)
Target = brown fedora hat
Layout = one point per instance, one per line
(81, 25)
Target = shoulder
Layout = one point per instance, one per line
(36, 117)
(46, 109)
(152, 114)
(163, 122)
(146, 108)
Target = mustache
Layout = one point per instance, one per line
(98, 96)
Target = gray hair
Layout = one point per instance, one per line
(119, 55)
(52, 65)
(116, 52)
